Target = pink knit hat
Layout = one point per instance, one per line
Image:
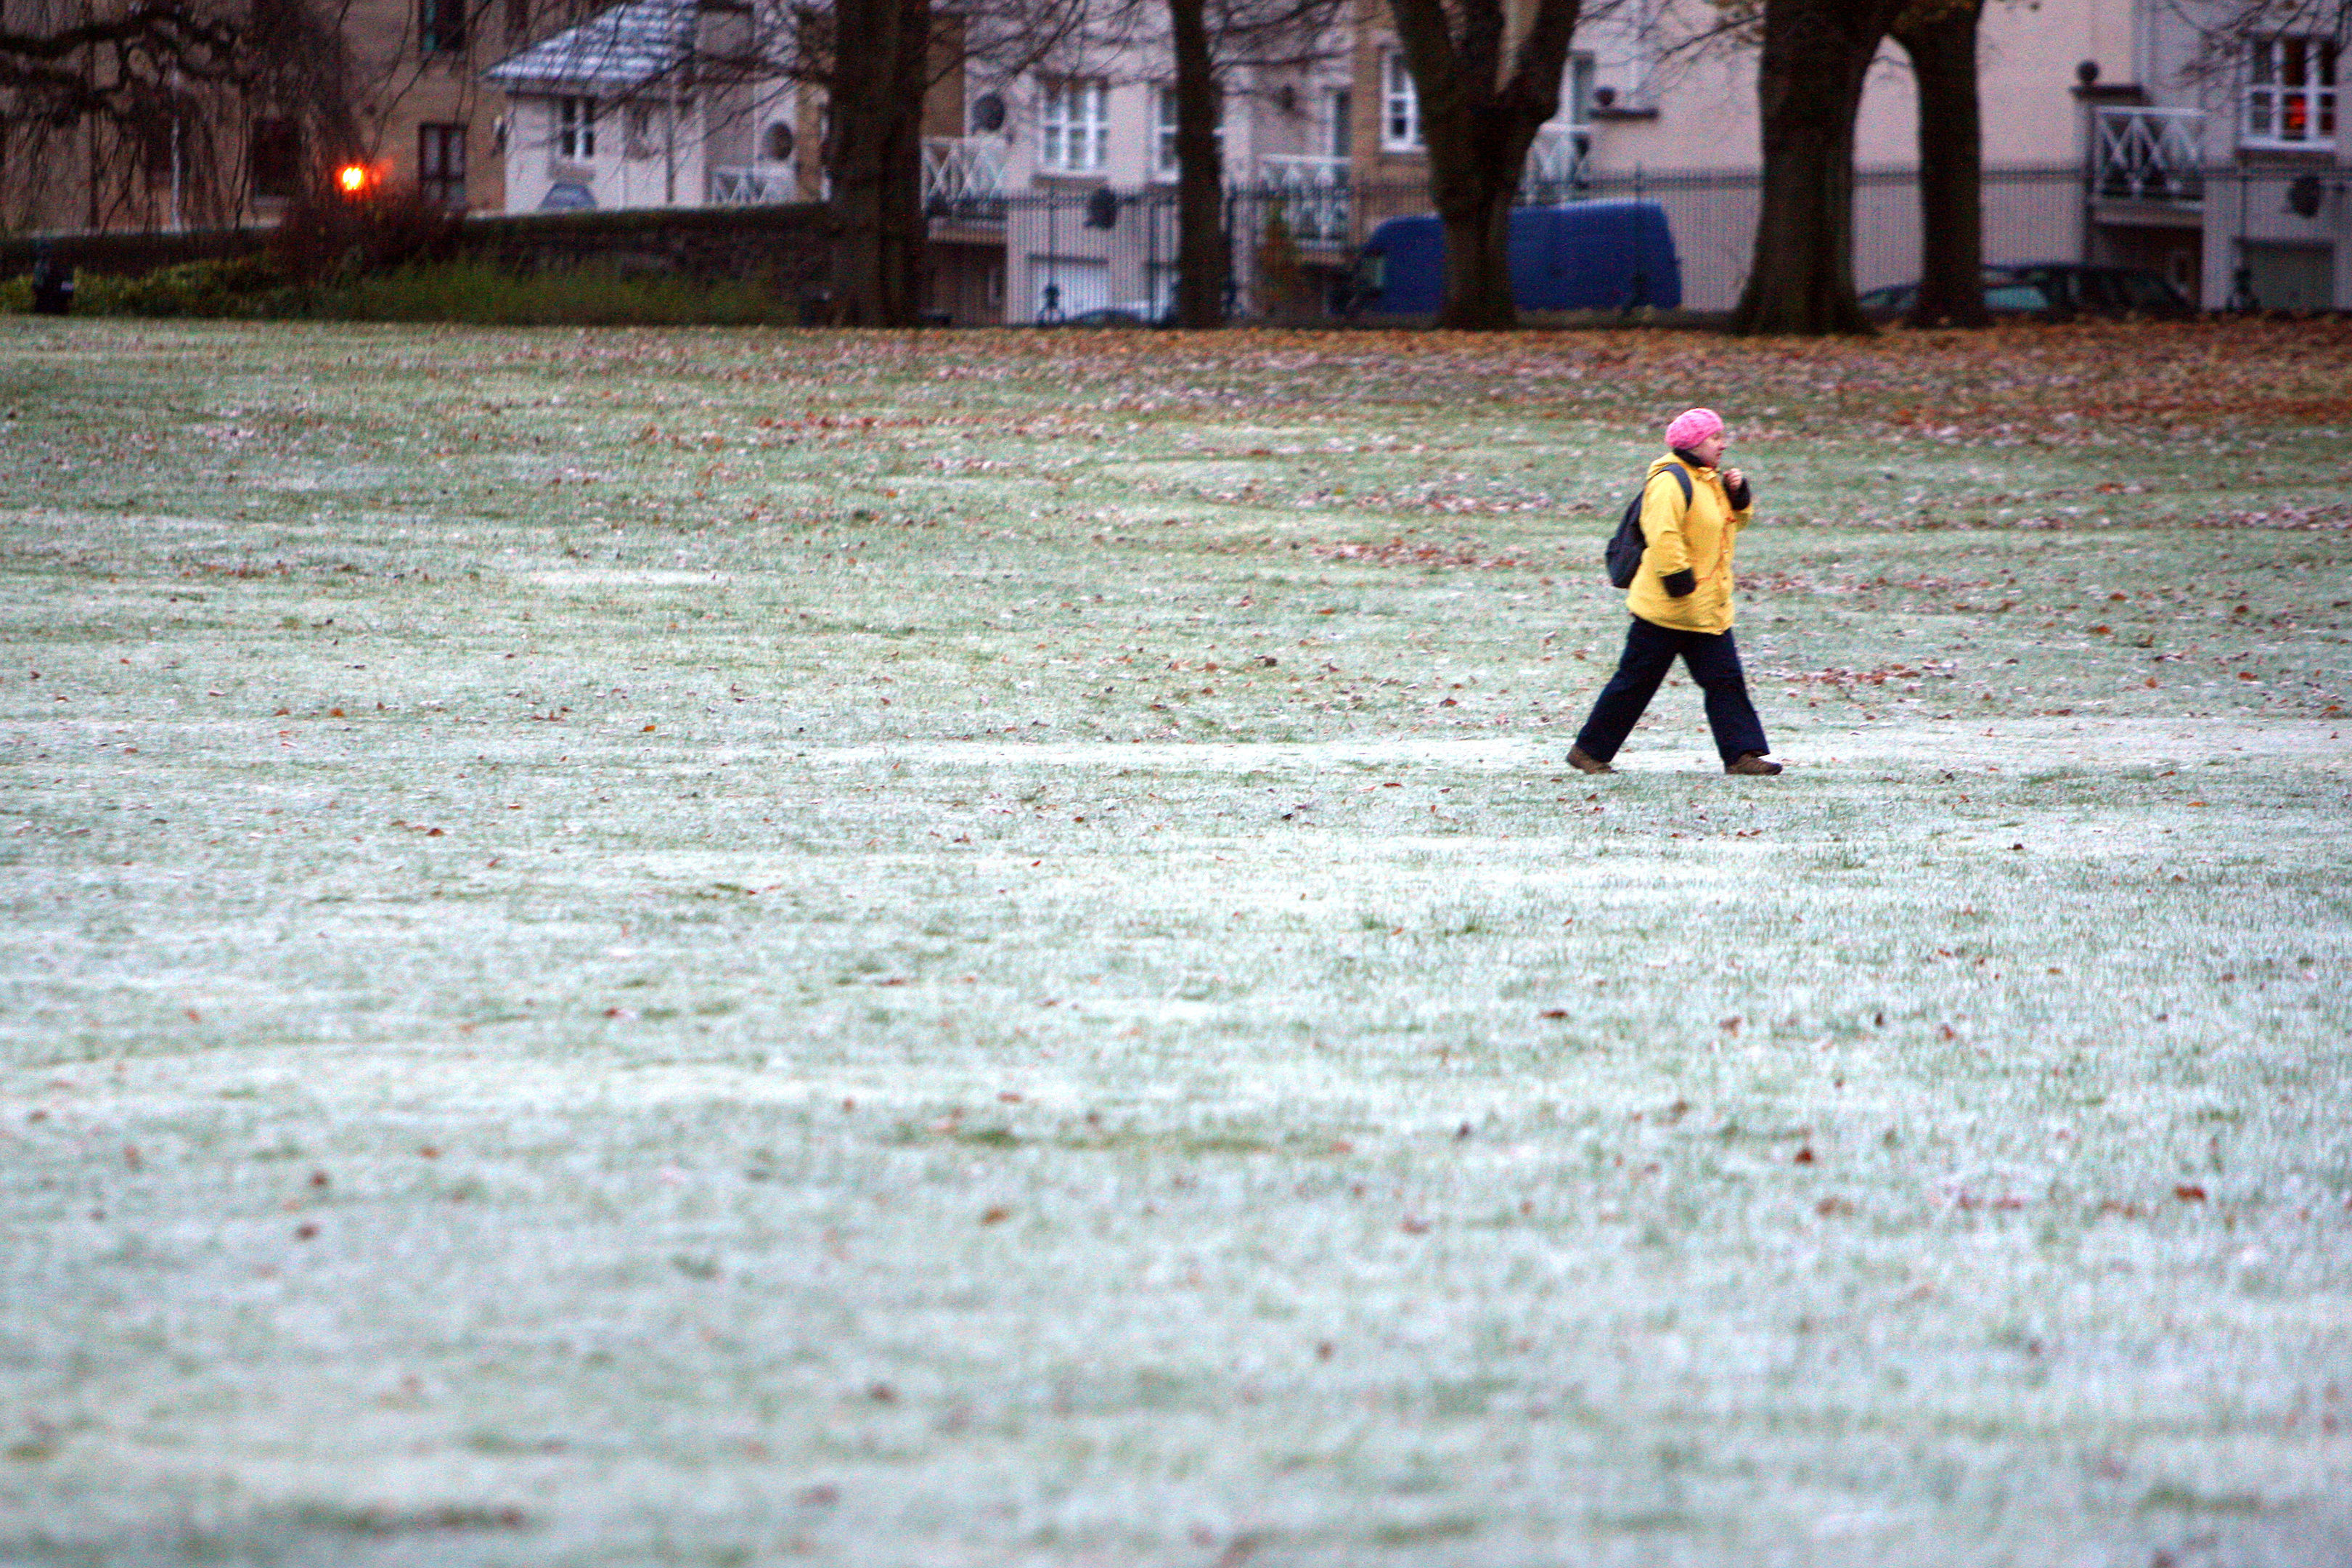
(1693, 427)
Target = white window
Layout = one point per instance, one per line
(575, 127)
(2290, 92)
(1576, 90)
(1163, 115)
(1399, 105)
(1073, 125)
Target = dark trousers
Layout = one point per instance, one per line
(1650, 651)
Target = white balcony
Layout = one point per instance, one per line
(1554, 171)
(2150, 156)
(963, 178)
(754, 184)
(1313, 192)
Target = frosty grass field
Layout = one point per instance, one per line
(727, 948)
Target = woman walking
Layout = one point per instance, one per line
(1681, 603)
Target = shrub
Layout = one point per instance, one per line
(238, 286)
(479, 294)
(329, 239)
(474, 292)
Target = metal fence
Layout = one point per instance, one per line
(1292, 240)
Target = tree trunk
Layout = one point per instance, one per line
(1942, 44)
(1478, 261)
(1809, 88)
(1201, 252)
(1477, 124)
(875, 159)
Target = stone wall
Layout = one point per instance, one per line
(780, 247)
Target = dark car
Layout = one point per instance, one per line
(2055, 291)
(1137, 314)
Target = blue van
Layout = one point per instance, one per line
(1585, 256)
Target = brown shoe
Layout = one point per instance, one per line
(1584, 761)
(1753, 763)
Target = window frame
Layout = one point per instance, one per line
(440, 178)
(1073, 125)
(1164, 130)
(575, 127)
(441, 27)
(2267, 99)
(1578, 78)
(1399, 105)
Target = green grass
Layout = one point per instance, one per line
(720, 947)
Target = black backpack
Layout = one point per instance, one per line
(1626, 546)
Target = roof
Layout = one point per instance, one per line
(632, 43)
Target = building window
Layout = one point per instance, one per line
(1073, 126)
(441, 166)
(1163, 128)
(2291, 92)
(1576, 90)
(575, 127)
(1340, 140)
(441, 25)
(1399, 105)
(276, 154)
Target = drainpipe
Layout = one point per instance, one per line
(2087, 76)
(670, 147)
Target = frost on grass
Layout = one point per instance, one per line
(719, 947)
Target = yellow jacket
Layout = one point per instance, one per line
(1695, 537)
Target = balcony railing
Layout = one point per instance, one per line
(1555, 167)
(2150, 156)
(743, 185)
(1314, 195)
(963, 178)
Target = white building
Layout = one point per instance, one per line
(2113, 130)
(622, 111)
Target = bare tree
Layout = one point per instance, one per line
(872, 64)
(1483, 96)
(2224, 27)
(76, 63)
(1940, 37)
(880, 72)
(1809, 88)
(166, 90)
(1213, 42)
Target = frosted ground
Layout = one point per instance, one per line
(708, 948)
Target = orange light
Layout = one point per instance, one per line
(352, 179)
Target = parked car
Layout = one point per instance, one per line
(1583, 255)
(2055, 292)
(1137, 314)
